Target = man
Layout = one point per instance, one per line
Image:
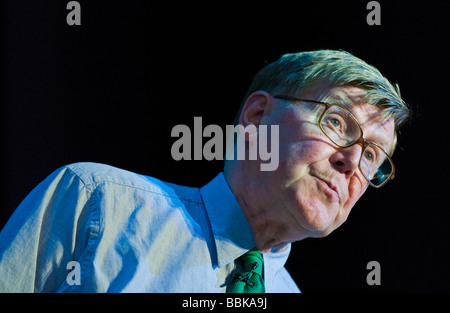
(94, 228)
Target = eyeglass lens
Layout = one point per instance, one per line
(344, 131)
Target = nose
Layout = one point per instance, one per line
(346, 160)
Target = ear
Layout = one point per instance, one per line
(257, 105)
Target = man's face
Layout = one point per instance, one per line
(316, 182)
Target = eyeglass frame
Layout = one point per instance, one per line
(360, 141)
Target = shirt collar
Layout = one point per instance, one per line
(232, 234)
(273, 262)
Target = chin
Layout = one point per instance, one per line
(317, 217)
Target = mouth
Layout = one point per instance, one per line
(329, 188)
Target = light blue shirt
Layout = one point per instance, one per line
(128, 233)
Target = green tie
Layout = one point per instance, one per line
(251, 279)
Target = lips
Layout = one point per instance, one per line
(332, 188)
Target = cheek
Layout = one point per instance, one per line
(356, 189)
(297, 157)
(298, 139)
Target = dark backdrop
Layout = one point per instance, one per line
(112, 89)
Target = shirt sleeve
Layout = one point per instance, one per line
(49, 228)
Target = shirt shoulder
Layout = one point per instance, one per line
(94, 174)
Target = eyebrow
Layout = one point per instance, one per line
(341, 100)
(380, 139)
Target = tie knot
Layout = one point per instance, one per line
(252, 261)
(250, 278)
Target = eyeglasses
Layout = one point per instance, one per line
(342, 128)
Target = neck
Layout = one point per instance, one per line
(272, 228)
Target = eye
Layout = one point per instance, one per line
(371, 155)
(335, 122)
(368, 156)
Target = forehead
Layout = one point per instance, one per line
(375, 129)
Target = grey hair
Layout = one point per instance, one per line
(294, 73)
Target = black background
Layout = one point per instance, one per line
(112, 89)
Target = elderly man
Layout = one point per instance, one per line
(94, 228)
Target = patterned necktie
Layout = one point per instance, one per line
(251, 279)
